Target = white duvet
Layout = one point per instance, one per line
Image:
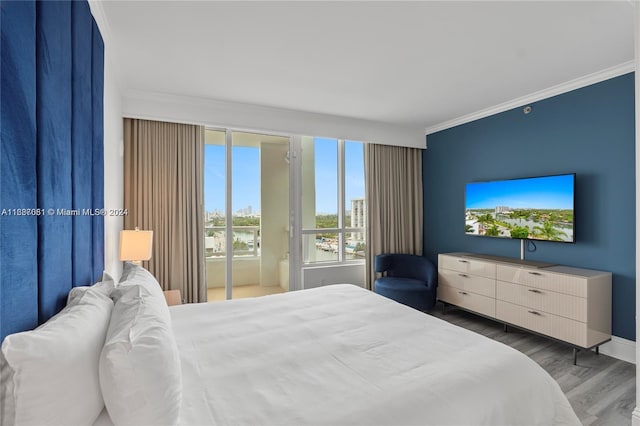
(342, 355)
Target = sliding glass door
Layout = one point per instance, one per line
(246, 214)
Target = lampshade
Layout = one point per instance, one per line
(135, 245)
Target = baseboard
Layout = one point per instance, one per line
(635, 417)
(622, 349)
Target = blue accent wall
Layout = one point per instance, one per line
(18, 271)
(81, 140)
(97, 159)
(51, 157)
(588, 131)
(53, 76)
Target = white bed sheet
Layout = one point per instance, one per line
(342, 355)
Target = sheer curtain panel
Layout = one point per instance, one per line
(163, 192)
(393, 186)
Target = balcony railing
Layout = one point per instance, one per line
(246, 241)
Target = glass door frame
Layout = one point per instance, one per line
(295, 214)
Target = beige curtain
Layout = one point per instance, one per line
(393, 181)
(163, 192)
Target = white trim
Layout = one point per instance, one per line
(635, 417)
(341, 201)
(568, 86)
(264, 119)
(620, 348)
(97, 11)
(228, 211)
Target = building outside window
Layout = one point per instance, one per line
(333, 200)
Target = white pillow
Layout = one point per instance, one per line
(50, 374)
(133, 274)
(105, 286)
(140, 373)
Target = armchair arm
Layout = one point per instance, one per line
(383, 262)
(431, 274)
(407, 266)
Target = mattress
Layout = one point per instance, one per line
(342, 355)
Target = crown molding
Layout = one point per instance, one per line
(559, 89)
(97, 10)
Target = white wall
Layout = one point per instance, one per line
(209, 112)
(113, 147)
(274, 210)
(245, 271)
(349, 273)
(113, 173)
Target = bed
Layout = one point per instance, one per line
(342, 355)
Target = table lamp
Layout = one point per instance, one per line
(135, 245)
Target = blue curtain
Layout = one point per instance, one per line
(51, 124)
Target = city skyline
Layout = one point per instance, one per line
(246, 176)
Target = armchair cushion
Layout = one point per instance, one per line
(402, 284)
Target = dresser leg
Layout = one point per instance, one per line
(597, 350)
(506, 328)
(444, 306)
(575, 356)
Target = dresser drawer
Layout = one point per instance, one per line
(543, 279)
(563, 305)
(463, 281)
(468, 266)
(474, 302)
(545, 323)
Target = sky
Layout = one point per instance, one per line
(246, 176)
(548, 192)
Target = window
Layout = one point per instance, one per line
(246, 193)
(333, 200)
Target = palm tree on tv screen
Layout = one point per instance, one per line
(493, 231)
(548, 232)
(519, 232)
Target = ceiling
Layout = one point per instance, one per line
(406, 63)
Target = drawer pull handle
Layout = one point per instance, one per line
(463, 261)
(535, 273)
(464, 275)
(464, 293)
(535, 313)
(535, 291)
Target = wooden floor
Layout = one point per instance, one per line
(242, 291)
(601, 389)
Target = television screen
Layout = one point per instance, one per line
(536, 208)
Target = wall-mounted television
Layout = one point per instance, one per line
(534, 208)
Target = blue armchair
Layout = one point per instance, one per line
(408, 279)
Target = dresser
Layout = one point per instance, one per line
(565, 303)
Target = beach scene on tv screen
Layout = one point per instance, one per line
(538, 208)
